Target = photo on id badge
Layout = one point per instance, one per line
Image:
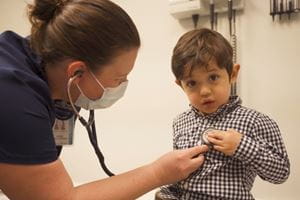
(63, 131)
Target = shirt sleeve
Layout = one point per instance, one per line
(26, 129)
(171, 192)
(264, 152)
(174, 131)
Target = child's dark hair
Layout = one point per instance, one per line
(197, 48)
(93, 31)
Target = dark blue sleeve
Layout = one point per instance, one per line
(25, 123)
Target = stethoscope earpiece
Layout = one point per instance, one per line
(78, 73)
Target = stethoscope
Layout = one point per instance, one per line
(204, 137)
(90, 128)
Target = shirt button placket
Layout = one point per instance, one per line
(205, 121)
(186, 186)
(187, 196)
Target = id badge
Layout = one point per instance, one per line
(63, 131)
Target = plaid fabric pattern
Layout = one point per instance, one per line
(261, 152)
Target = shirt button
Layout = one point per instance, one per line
(186, 186)
(187, 195)
(205, 121)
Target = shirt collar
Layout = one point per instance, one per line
(232, 103)
(36, 62)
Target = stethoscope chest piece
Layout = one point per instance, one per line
(204, 137)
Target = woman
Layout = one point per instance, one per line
(80, 53)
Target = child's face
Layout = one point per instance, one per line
(208, 88)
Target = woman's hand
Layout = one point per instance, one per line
(225, 141)
(179, 164)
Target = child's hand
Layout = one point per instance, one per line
(225, 141)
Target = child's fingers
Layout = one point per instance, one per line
(215, 141)
(218, 148)
(217, 135)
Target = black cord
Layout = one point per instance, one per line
(92, 122)
(212, 15)
(195, 18)
(93, 139)
(100, 155)
(230, 16)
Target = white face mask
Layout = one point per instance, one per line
(108, 98)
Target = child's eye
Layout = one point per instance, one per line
(191, 84)
(213, 77)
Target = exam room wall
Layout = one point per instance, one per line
(137, 129)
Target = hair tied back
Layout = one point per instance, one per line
(45, 10)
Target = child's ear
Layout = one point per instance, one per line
(235, 72)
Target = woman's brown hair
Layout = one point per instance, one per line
(92, 31)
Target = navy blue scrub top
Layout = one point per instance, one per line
(26, 110)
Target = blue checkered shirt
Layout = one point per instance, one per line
(261, 152)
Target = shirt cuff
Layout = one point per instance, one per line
(247, 151)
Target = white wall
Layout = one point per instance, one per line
(137, 129)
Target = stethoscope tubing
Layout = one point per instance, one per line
(90, 128)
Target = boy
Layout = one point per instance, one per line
(244, 143)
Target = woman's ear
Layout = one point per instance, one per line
(235, 72)
(76, 68)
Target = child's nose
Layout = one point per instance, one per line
(205, 91)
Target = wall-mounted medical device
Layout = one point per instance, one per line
(181, 9)
(284, 7)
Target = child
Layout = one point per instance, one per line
(244, 143)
